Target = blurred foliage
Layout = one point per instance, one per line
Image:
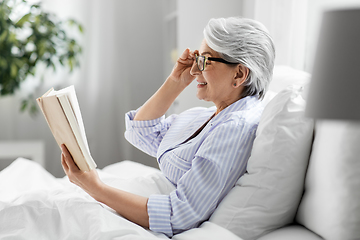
(33, 37)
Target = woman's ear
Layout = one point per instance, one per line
(241, 75)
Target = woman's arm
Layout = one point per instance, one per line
(128, 205)
(177, 81)
(131, 206)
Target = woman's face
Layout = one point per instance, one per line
(216, 82)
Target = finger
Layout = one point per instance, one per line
(195, 52)
(68, 159)
(63, 163)
(192, 56)
(185, 54)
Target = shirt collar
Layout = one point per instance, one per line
(241, 104)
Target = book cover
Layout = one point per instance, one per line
(62, 113)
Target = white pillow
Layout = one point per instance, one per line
(331, 203)
(284, 76)
(268, 195)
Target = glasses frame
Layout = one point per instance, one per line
(202, 68)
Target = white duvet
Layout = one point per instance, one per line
(36, 205)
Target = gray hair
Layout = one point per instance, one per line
(245, 41)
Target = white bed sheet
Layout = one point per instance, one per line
(36, 205)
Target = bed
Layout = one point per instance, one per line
(36, 205)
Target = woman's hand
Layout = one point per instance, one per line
(128, 205)
(88, 181)
(181, 70)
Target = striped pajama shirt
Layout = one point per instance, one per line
(204, 168)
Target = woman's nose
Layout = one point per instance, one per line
(194, 71)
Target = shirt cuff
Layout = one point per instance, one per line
(159, 210)
(131, 123)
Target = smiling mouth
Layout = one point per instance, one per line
(203, 83)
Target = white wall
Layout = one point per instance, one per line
(286, 21)
(315, 10)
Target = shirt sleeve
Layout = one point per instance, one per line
(219, 162)
(146, 135)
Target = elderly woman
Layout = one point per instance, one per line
(202, 151)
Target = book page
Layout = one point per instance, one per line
(69, 112)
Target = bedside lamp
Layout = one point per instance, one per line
(335, 83)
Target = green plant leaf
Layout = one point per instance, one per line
(23, 20)
(3, 63)
(3, 35)
(13, 70)
(81, 29)
(24, 104)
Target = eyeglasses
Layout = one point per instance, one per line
(201, 61)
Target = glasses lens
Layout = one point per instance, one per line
(201, 62)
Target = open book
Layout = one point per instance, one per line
(62, 113)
